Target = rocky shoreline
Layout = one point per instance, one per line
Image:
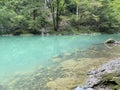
(106, 77)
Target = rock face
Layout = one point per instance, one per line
(105, 78)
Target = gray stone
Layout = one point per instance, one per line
(110, 41)
(95, 76)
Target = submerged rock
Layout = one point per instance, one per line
(105, 78)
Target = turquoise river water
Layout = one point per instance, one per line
(20, 54)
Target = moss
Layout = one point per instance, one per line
(111, 80)
(63, 83)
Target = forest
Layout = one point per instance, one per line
(59, 16)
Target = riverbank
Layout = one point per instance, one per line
(61, 32)
(52, 34)
(106, 77)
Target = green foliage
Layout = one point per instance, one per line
(22, 16)
(112, 80)
(6, 20)
(98, 15)
(115, 7)
(30, 16)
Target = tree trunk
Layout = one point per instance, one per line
(56, 12)
(57, 16)
(54, 20)
(34, 18)
(53, 14)
(77, 12)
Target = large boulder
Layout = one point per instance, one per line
(105, 78)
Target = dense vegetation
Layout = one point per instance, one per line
(59, 16)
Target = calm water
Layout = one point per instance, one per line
(21, 54)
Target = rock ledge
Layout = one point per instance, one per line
(106, 77)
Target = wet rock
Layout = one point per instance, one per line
(110, 41)
(106, 76)
(103, 88)
(79, 88)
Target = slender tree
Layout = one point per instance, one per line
(56, 8)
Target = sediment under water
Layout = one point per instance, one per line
(43, 61)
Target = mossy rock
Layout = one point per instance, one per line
(111, 80)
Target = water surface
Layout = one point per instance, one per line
(19, 54)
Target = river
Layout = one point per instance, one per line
(22, 54)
